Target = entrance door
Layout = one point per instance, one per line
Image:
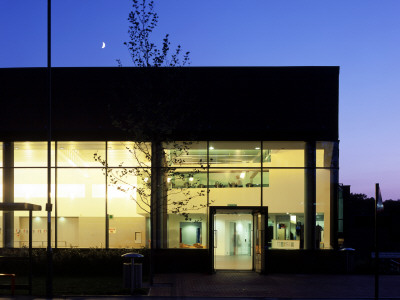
(237, 238)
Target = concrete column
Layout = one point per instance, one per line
(8, 193)
(158, 198)
(334, 196)
(310, 194)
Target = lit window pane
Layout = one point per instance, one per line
(186, 154)
(235, 187)
(186, 198)
(128, 154)
(128, 208)
(81, 208)
(235, 154)
(283, 154)
(32, 154)
(324, 155)
(81, 154)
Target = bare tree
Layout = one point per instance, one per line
(150, 117)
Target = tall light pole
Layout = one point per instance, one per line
(49, 278)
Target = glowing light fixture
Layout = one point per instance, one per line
(37, 218)
(191, 178)
(242, 175)
(169, 179)
(257, 148)
(211, 148)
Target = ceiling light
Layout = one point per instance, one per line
(257, 148)
(211, 148)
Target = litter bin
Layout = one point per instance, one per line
(349, 259)
(132, 273)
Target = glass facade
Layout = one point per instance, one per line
(101, 191)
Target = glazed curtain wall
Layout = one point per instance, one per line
(247, 174)
(101, 190)
(90, 209)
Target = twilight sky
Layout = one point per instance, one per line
(360, 36)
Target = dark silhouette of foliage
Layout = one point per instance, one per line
(150, 115)
(143, 51)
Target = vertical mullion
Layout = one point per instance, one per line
(262, 173)
(208, 191)
(55, 197)
(106, 198)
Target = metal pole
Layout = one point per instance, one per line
(49, 279)
(106, 207)
(30, 252)
(376, 243)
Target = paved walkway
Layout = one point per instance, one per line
(249, 284)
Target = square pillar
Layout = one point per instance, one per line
(310, 194)
(8, 193)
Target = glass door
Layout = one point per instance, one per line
(233, 248)
(238, 238)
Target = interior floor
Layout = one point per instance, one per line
(233, 262)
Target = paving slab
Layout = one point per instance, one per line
(250, 284)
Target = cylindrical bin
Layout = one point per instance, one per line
(138, 275)
(126, 271)
(132, 273)
(349, 259)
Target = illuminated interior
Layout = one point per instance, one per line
(101, 191)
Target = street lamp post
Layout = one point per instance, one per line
(49, 279)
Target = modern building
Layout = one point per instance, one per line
(218, 164)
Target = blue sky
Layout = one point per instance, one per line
(360, 36)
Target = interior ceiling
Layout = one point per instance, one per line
(222, 152)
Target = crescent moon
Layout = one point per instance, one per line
(103, 46)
